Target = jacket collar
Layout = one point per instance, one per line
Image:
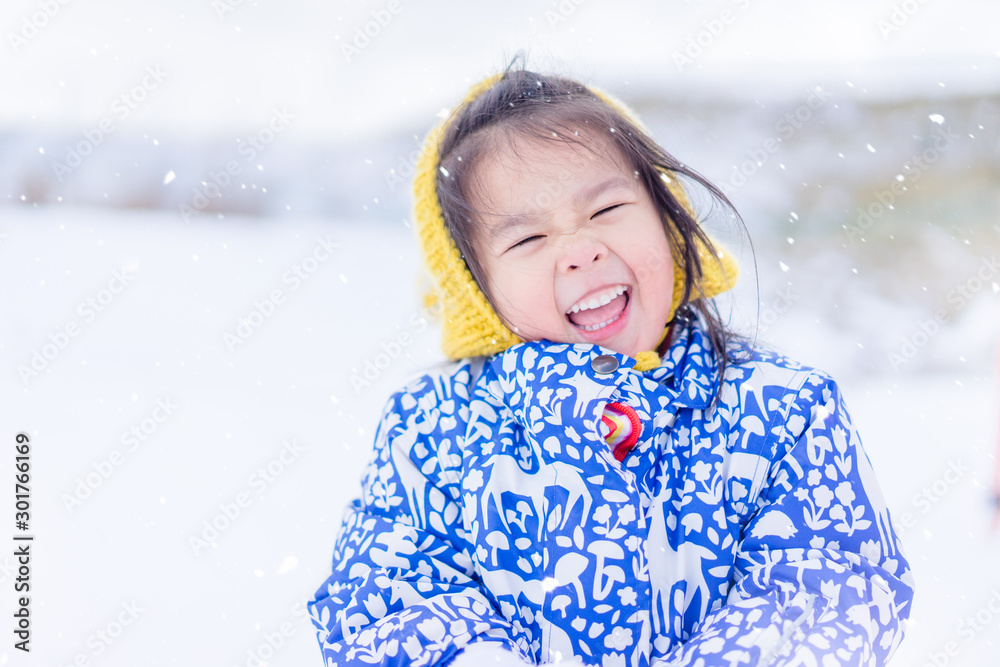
(544, 372)
(690, 365)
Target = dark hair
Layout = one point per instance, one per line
(524, 104)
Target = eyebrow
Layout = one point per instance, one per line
(513, 221)
(595, 191)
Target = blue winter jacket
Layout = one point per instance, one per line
(744, 531)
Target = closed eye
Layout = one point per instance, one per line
(524, 241)
(605, 210)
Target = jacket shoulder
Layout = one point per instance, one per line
(766, 403)
(423, 426)
(771, 385)
(450, 381)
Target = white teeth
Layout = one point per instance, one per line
(595, 327)
(598, 300)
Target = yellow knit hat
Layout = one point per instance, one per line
(470, 327)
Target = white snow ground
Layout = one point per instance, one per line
(161, 338)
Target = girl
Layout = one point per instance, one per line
(606, 475)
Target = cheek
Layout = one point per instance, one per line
(652, 264)
(525, 302)
(533, 309)
(523, 299)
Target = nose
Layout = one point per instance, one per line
(580, 251)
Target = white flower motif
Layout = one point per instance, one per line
(412, 647)
(613, 660)
(602, 514)
(702, 471)
(845, 493)
(473, 481)
(367, 636)
(830, 589)
(626, 514)
(814, 477)
(619, 639)
(432, 628)
(628, 596)
(822, 495)
(872, 550)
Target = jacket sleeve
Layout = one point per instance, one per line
(820, 578)
(403, 590)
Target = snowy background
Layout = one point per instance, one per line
(118, 122)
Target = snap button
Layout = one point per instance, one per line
(604, 364)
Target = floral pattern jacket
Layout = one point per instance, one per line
(744, 528)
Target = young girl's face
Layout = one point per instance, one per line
(573, 245)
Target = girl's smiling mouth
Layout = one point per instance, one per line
(599, 310)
